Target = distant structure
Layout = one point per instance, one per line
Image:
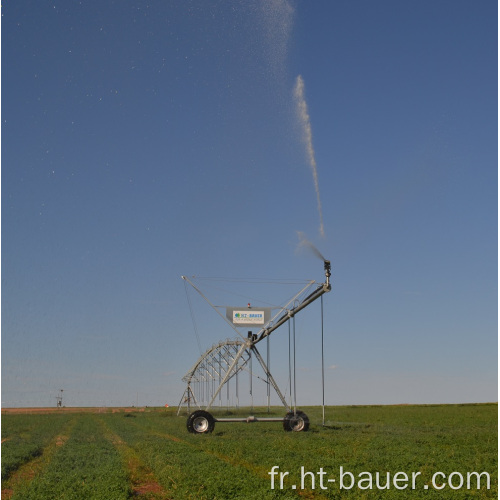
(59, 399)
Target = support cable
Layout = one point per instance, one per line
(214, 307)
(193, 318)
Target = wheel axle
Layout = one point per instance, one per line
(203, 422)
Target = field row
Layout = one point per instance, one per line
(151, 455)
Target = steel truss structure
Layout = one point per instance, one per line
(210, 368)
(224, 361)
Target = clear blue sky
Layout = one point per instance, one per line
(142, 141)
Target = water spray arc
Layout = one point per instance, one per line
(224, 362)
(305, 124)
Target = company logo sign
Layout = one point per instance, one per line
(248, 317)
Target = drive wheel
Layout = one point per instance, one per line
(200, 422)
(296, 422)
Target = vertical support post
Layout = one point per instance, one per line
(294, 372)
(290, 361)
(220, 375)
(322, 361)
(251, 380)
(268, 382)
(237, 392)
(227, 394)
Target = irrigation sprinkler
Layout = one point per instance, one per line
(225, 361)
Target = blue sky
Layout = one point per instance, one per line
(142, 141)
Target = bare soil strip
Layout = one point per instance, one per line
(27, 472)
(143, 481)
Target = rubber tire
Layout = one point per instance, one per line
(200, 422)
(296, 422)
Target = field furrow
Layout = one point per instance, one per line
(188, 471)
(86, 467)
(25, 436)
(25, 473)
(143, 483)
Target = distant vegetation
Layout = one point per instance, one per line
(106, 456)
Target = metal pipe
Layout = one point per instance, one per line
(250, 419)
(322, 289)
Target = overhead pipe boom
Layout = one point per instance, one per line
(322, 289)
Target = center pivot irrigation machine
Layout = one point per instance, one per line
(225, 360)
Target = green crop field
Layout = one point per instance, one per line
(363, 452)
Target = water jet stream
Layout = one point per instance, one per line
(305, 122)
